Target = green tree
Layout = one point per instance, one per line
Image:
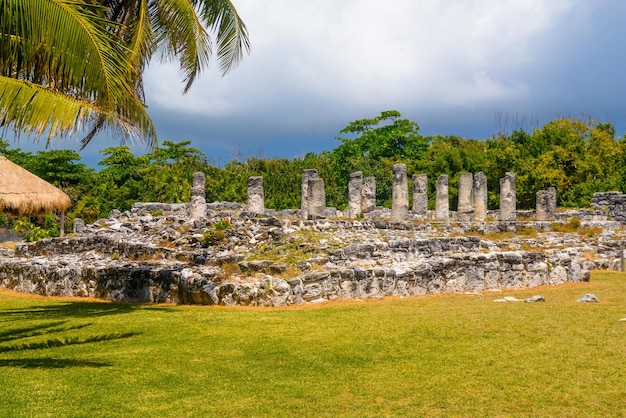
(570, 154)
(60, 168)
(385, 136)
(16, 155)
(119, 182)
(166, 172)
(376, 145)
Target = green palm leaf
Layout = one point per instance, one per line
(82, 60)
(232, 35)
(32, 109)
(66, 48)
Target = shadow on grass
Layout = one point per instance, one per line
(37, 330)
(66, 310)
(75, 309)
(51, 363)
(57, 342)
(52, 327)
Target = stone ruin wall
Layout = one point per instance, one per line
(611, 204)
(401, 267)
(111, 259)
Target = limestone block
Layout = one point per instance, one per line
(198, 196)
(256, 196)
(442, 203)
(304, 204)
(368, 195)
(316, 198)
(465, 207)
(355, 190)
(420, 194)
(400, 194)
(480, 197)
(508, 198)
(546, 204)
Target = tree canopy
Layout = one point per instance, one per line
(576, 156)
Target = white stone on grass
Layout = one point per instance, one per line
(589, 297)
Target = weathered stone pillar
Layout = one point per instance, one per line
(198, 196)
(256, 197)
(368, 194)
(399, 194)
(546, 204)
(466, 197)
(304, 196)
(442, 203)
(355, 188)
(316, 198)
(508, 198)
(420, 194)
(480, 197)
(79, 226)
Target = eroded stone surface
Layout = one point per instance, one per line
(155, 253)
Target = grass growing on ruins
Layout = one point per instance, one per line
(448, 355)
(295, 248)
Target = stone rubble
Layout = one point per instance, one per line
(159, 253)
(589, 297)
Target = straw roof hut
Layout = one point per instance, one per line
(24, 193)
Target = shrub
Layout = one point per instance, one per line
(212, 237)
(215, 233)
(28, 231)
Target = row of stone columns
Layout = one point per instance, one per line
(472, 199)
(361, 194)
(472, 196)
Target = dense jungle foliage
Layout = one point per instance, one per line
(578, 157)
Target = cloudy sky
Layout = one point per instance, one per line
(456, 67)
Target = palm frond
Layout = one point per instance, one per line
(232, 35)
(64, 68)
(65, 45)
(140, 34)
(32, 109)
(181, 35)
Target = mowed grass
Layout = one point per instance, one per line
(447, 355)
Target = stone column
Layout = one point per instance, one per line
(399, 194)
(546, 204)
(316, 198)
(466, 196)
(355, 188)
(442, 204)
(256, 197)
(368, 194)
(79, 226)
(420, 194)
(508, 208)
(480, 197)
(198, 196)
(304, 205)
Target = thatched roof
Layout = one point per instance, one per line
(23, 192)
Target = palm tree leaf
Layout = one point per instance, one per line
(65, 44)
(68, 67)
(31, 109)
(232, 35)
(140, 34)
(181, 35)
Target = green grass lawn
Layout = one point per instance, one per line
(448, 355)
